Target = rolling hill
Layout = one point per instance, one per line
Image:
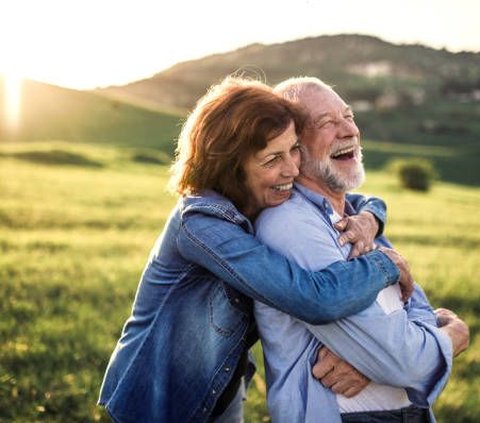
(403, 95)
(363, 68)
(409, 100)
(54, 113)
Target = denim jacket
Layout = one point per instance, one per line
(192, 318)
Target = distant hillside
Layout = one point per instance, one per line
(402, 94)
(364, 68)
(54, 113)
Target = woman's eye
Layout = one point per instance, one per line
(272, 161)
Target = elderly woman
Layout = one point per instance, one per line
(183, 352)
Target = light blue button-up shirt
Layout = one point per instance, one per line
(401, 348)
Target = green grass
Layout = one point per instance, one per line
(73, 241)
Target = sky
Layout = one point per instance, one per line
(84, 44)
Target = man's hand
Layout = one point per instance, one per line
(455, 328)
(360, 231)
(338, 375)
(406, 280)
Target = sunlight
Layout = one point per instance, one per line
(13, 95)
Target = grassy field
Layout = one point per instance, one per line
(76, 225)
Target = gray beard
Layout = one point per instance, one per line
(336, 181)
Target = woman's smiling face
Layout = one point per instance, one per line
(270, 172)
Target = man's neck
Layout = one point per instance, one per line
(336, 199)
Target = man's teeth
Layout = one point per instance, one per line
(284, 187)
(347, 150)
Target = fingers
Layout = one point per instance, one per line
(352, 391)
(330, 378)
(337, 374)
(349, 388)
(359, 248)
(445, 312)
(444, 316)
(344, 238)
(362, 227)
(325, 363)
(341, 225)
(361, 240)
(344, 379)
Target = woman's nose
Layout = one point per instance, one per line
(290, 168)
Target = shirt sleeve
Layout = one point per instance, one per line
(238, 258)
(393, 350)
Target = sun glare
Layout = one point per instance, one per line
(13, 96)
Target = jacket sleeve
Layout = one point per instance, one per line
(374, 205)
(239, 259)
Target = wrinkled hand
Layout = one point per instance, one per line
(405, 280)
(360, 231)
(455, 328)
(338, 375)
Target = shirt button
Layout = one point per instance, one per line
(227, 369)
(237, 300)
(214, 392)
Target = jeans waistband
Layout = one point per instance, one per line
(410, 414)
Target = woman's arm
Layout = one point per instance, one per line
(238, 258)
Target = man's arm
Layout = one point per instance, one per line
(338, 375)
(342, 378)
(391, 350)
(387, 348)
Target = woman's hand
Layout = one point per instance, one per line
(338, 375)
(405, 281)
(360, 230)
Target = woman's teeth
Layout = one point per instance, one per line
(284, 187)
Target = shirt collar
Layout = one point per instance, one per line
(322, 202)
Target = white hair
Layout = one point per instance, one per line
(295, 88)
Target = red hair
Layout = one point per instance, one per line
(235, 119)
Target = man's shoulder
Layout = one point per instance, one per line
(296, 205)
(285, 222)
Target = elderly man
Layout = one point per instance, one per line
(395, 345)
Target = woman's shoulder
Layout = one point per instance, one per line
(211, 204)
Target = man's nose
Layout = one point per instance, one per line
(348, 128)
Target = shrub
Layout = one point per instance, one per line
(415, 174)
(151, 157)
(56, 157)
